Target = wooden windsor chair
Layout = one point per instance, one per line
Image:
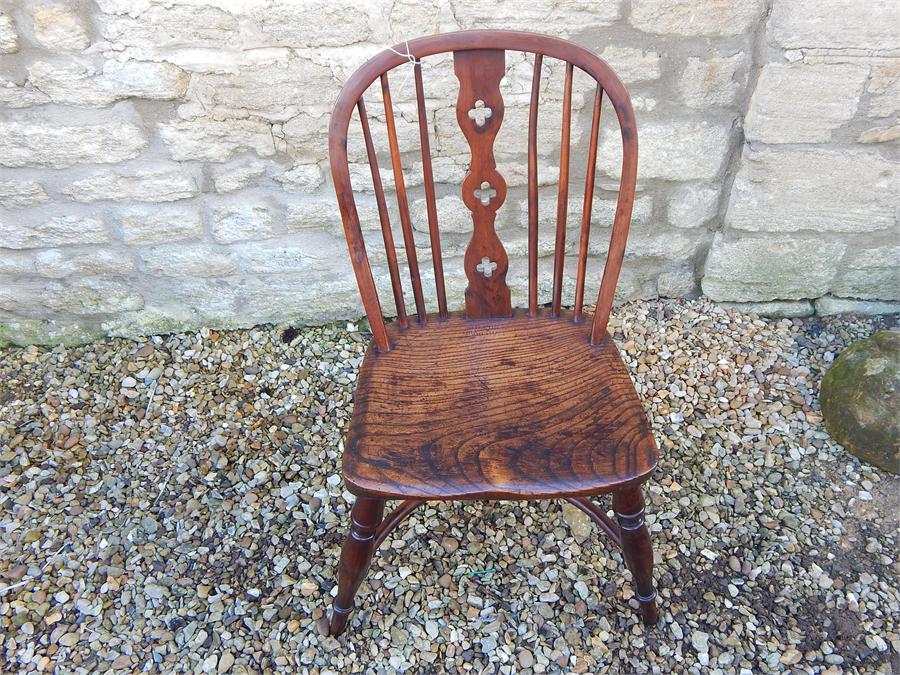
(476, 404)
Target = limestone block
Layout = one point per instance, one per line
(9, 38)
(631, 64)
(239, 175)
(143, 184)
(880, 134)
(58, 263)
(830, 305)
(671, 150)
(869, 273)
(884, 89)
(314, 251)
(275, 90)
(835, 24)
(216, 141)
(241, 222)
(80, 83)
(679, 282)
(18, 193)
(686, 17)
(315, 23)
(693, 205)
(323, 213)
(20, 94)
(91, 295)
(803, 103)
(301, 178)
(785, 190)
(774, 267)
(567, 17)
(59, 29)
(46, 142)
(188, 260)
(713, 82)
(159, 224)
(777, 310)
(51, 231)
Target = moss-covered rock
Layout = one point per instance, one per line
(860, 398)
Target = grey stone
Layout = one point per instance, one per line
(814, 23)
(241, 222)
(777, 309)
(713, 82)
(693, 205)
(301, 178)
(870, 273)
(52, 231)
(58, 263)
(680, 282)
(684, 17)
(803, 103)
(146, 185)
(785, 190)
(860, 396)
(216, 140)
(18, 193)
(188, 260)
(159, 224)
(754, 269)
(237, 176)
(884, 89)
(9, 38)
(35, 141)
(632, 64)
(829, 305)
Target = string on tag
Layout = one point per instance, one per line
(412, 60)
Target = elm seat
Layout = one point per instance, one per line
(476, 409)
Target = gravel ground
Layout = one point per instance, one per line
(174, 504)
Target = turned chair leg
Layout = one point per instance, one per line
(636, 548)
(355, 558)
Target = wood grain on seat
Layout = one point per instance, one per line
(522, 407)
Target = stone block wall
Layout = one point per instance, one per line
(163, 163)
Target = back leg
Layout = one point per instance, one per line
(355, 558)
(628, 504)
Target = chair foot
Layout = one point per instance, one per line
(355, 558)
(637, 550)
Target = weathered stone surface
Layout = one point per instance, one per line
(631, 64)
(15, 94)
(566, 16)
(800, 103)
(216, 141)
(693, 205)
(305, 135)
(775, 267)
(884, 89)
(311, 214)
(59, 29)
(860, 396)
(80, 83)
(672, 150)
(301, 178)
(9, 38)
(241, 222)
(312, 23)
(680, 282)
(160, 224)
(52, 231)
(58, 263)
(27, 141)
(776, 310)
(313, 251)
(147, 185)
(82, 295)
(830, 305)
(713, 82)
(880, 134)
(785, 190)
(18, 193)
(685, 17)
(188, 260)
(835, 24)
(870, 273)
(240, 175)
(603, 214)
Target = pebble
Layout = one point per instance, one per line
(205, 535)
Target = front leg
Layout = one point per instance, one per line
(628, 504)
(355, 557)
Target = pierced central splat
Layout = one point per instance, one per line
(480, 113)
(485, 193)
(486, 267)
